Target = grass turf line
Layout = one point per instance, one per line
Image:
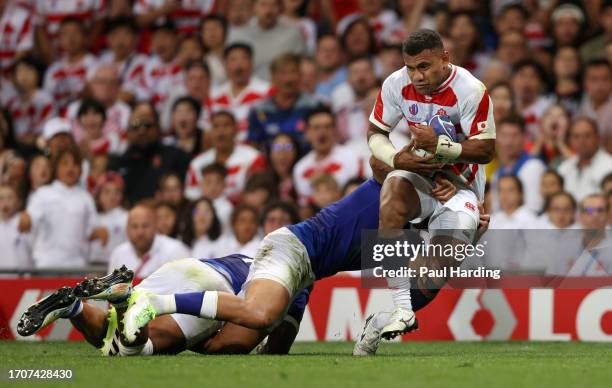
(416, 364)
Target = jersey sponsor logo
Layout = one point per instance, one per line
(470, 206)
(413, 109)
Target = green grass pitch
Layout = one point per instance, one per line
(420, 364)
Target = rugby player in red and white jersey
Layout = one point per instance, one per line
(242, 89)
(16, 33)
(430, 85)
(186, 14)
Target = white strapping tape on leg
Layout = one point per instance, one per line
(145, 349)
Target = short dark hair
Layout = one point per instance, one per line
(126, 22)
(420, 40)
(517, 181)
(197, 63)
(605, 180)
(285, 206)
(360, 58)
(223, 112)
(598, 62)
(261, 180)
(215, 18)
(557, 176)
(514, 119)
(34, 63)
(238, 46)
(536, 66)
(322, 109)
(514, 7)
(72, 20)
(195, 105)
(214, 168)
(243, 207)
(91, 104)
(168, 26)
(550, 199)
(283, 60)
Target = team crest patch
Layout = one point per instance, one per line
(470, 206)
(413, 109)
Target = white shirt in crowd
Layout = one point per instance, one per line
(15, 246)
(224, 209)
(49, 14)
(187, 17)
(30, 117)
(64, 80)
(205, 248)
(243, 160)
(522, 218)
(341, 163)
(228, 245)
(16, 24)
(63, 218)
(530, 175)
(130, 70)
(163, 250)
(159, 79)
(585, 181)
(115, 222)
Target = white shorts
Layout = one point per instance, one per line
(282, 257)
(188, 275)
(458, 217)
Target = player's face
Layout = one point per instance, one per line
(561, 212)
(593, 213)
(427, 70)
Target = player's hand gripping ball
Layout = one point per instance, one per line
(444, 128)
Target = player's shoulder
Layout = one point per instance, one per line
(465, 85)
(398, 78)
(245, 153)
(203, 159)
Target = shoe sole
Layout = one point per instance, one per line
(96, 287)
(32, 320)
(394, 333)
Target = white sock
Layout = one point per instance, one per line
(163, 304)
(381, 319)
(400, 292)
(209, 305)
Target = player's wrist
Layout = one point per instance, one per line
(383, 149)
(448, 150)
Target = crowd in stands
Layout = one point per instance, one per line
(138, 131)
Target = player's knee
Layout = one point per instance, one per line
(260, 318)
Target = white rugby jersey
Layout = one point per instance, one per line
(131, 70)
(342, 164)
(462, 97)
(16, 33)
(244, 160)
(50, 13)
(159, 79)
(256, 90)
(186, 17)
(64, 80)
(30, 116)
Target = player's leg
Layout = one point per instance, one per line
(280, 270)
(60, 304)
(92, 323)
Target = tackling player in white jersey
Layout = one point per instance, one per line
(427, 86)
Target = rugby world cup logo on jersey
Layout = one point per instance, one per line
(413, 109)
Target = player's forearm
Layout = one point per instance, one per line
(381, 146)
(479, 151)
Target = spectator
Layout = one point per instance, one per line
(213, 188)
(495, 72)
(268, 36)
(597, 101)
(259, 190)
(391, 58)
(512, 47)
(294, 14)
(349, 98)
(412, 17)
(606, 184)
(162, 72)
(351, 186)
(358, 39)
(46, 217)
(308, 75)
(329, 61)
(187, 136)
(242, 89)
(213, 32)
(239, 12)
(16, 24)
(204, 230)
(66, 77)
(283, 112)
(245, 239)
(529, 85)
(111, 216)
(166, 215)
(14, 245)
(105, 86)
(512, 213)
(560, 211)
(278, 214)
(502, 97)
(171, 191)
(584, 172)
(550, 143)
(566, 72)
(7, 142)
(596, 47)
(32, 106)
(51, 15)
(567, 24)
(468, 46)
(122, 40)
(90, 120)
(240, 160)
(325, 191)
(185, 14)
(195, 84)
(145, 251)
(326, 156)
(380, 19)
(551, 184)
(190, 49)
(514, 161)
(283, 155)
(39, 173)
(146, 158)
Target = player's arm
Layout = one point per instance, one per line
(479, 151)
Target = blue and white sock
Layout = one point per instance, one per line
(76, 309)
(199, 304)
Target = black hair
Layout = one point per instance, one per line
(34, 63)
(167, 26)
(322, 109)
(536, 66)
(351, 182)
(477, 44)
(151, 107)
(7, 136)
(197, 63)
(91, 104)
(72, 20)
(261, 180)
(243, 207)
(513, 119)
(517, 181)
(238, 46)
(118, 22)
(359, 58)
(514, 7)
(550, 199)
(349, 28)
(598, 62)
(285, 206)
(215, 18)
(225, 113)
(214, 232)
(214, 168)
(195, 105)
(420, 40)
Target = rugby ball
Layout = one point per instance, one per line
(443, 127)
